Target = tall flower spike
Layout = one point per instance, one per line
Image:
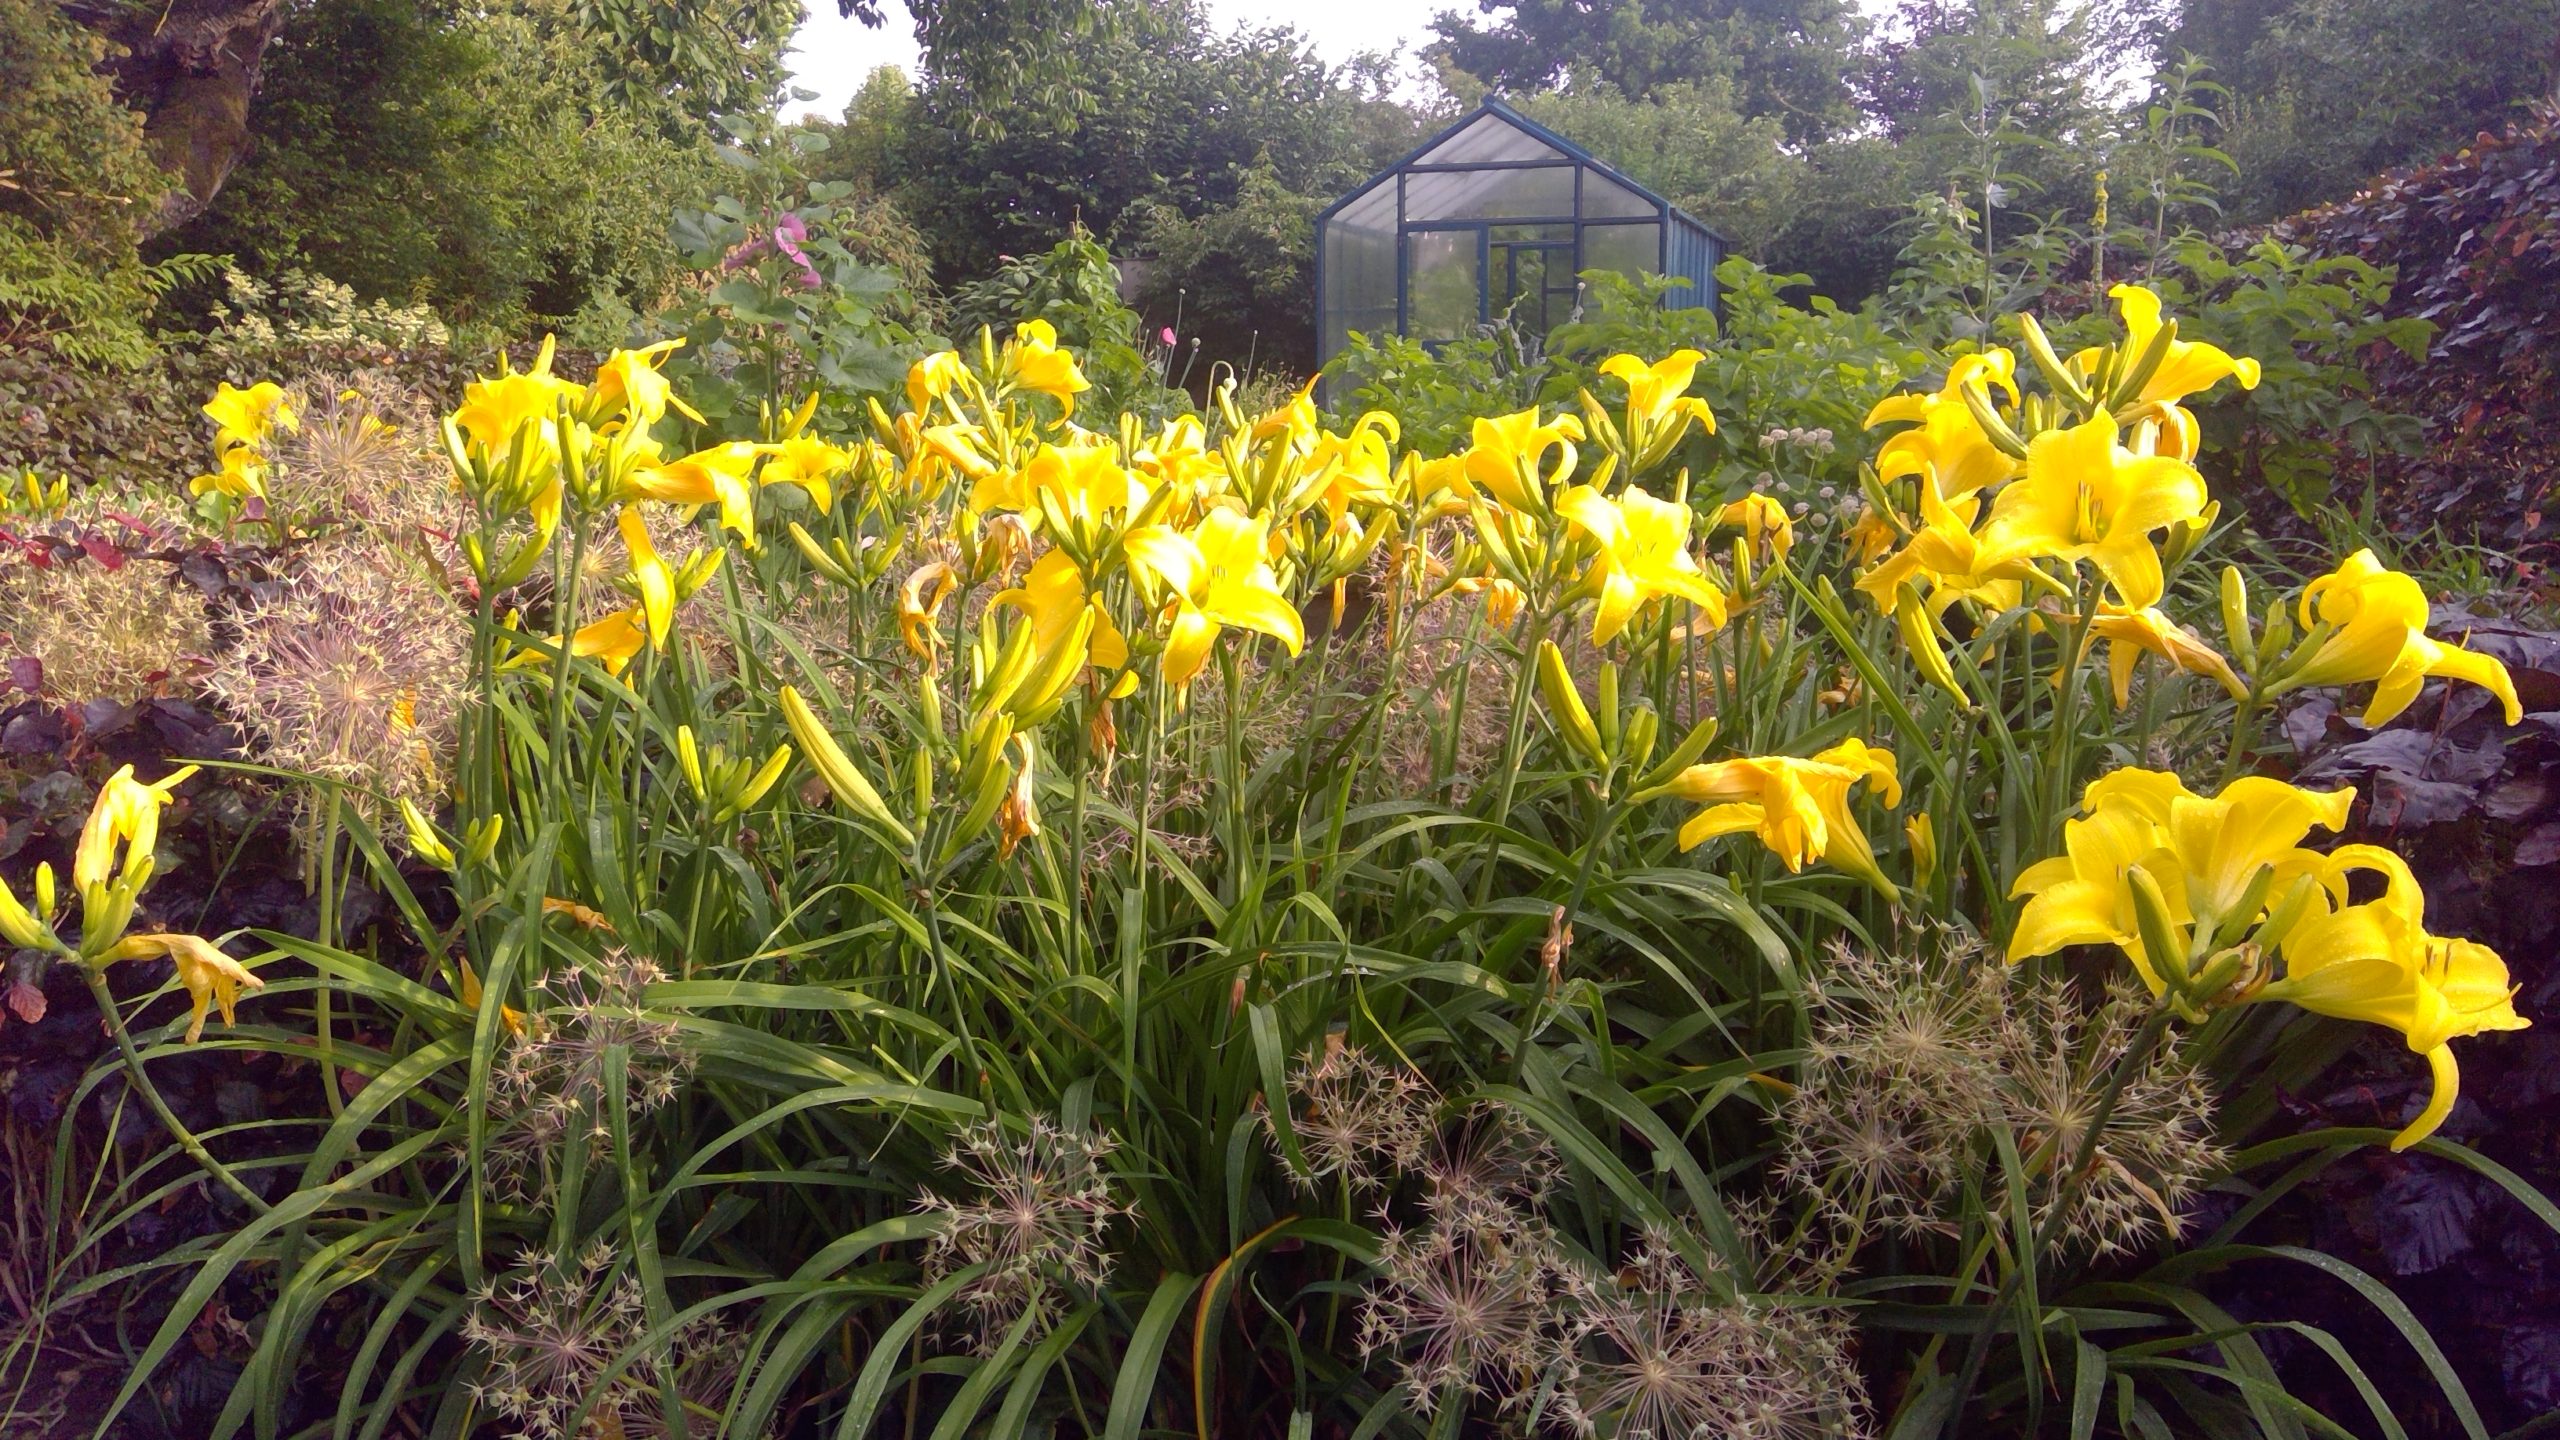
(2374, 623)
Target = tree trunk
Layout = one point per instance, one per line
(192, 68)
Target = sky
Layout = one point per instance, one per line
(832, 54)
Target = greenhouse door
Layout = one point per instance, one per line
(1530, 280)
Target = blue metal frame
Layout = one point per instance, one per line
(1685, 246)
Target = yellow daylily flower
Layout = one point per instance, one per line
(508, 1015)
(810, 463)
(1944, 551)
(211, 977)
(628, 385)
(958, 446)
(1218, 575)
(716, 476)
(243, 417)
(1643, 555)
(2206, 854)
(649, 575)
(126, 813)
(2189, 366)
(2373, 624)
(1502, 599)
(1080, 484)
(1053, 596)
(1509, 457)
(1659, 409)
(1946, 441)
(1355, 469)
(933, 378)
(1178, 457)
(496, 407)
(1799, 808)
(615, 639)
(243, 475)
(2086, 497)
(2130, 633)
(2375, 962)
(1034, 362)
(1764, 523)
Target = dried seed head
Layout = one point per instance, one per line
(547, 1090)
(1464, 1314)
(1036, 1220)
(356, 673)
(1654, 1353)
(1357, 1117)
(102, 634)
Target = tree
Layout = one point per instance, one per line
(486, 160)
(2327, 93)
(75, 173)
(1180, 115)
(1787, 60)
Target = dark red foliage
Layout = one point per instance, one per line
(2475, 236)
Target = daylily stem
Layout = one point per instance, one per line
(187, 1141)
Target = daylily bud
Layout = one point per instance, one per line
(843, 777)
(1644, 727)
(764, 778)
(1977, 401)
(21, 928)
(1692, 745)
(2161, 944)
(1923, 834)
(423, 841)
(1564, 705)
(482, 841)
(2056, 374)
(1920, 637)
(690, 757)
(2235, 619)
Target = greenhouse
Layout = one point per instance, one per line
(1494, 218)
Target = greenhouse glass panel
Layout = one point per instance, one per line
(1490, 137)
(1444, 288)
(1606, 199)
(1626, 249)
(1488, 194)
(1359, 260)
